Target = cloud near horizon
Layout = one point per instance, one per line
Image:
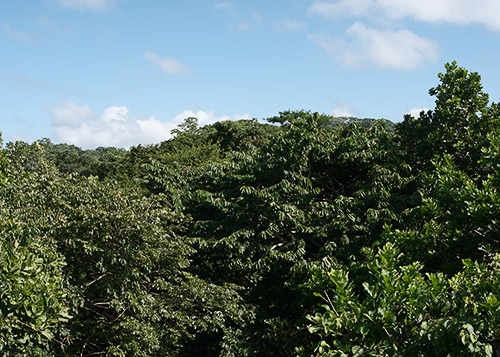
(415, 112)
(345, 109)
(364, 47)
(81, 126)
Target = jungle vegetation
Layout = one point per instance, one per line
(307, 235)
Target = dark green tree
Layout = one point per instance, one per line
(261, 216)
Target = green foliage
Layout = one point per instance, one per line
(35, 300)
(318, 236)
(288, 117)
(236, 135)
(118, 255)
(401, 311)
(4, 164)
(458, 126)
(458, 217)
(101, 162)
(436, 299)
(138, 298)
(263, 214)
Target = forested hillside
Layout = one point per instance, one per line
(306, 236)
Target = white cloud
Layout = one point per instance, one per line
(203, 117)
(207, 117)
(79, 125)
(115, 114)
(242, 116)
(335, 10)
(91, 5)
(342, 112)
(70, 114)
(462, 12)
(167, 65)
(415, 112)
(364, 46)
(345, 109)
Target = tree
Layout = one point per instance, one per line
(262, 215)
(36, 301)
(458, 126)
(431, 285)
(94, 267)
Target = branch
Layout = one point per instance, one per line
(97, 279)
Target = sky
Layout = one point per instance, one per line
(126, 72)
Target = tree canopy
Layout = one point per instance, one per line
(306, 235)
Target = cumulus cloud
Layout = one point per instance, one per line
(203, 117)
(364, 47)
(462, 12)
(345, 109)
(415, 112)
(167, 65)
(207, 117)
(81, 126)
(70, 114)
(241, 116)
(87, 5)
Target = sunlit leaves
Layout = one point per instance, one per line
(406, 312)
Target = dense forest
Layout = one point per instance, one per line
(306, 235)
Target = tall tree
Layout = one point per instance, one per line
(458, 125)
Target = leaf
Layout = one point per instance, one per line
(47, 334)
(369, 289)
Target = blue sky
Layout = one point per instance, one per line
(122, 72)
